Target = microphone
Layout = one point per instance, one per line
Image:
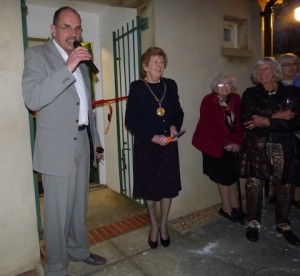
(89, 63)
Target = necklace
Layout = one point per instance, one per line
(273, 89)
(273, 92)
(160, 111)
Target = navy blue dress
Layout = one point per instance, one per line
(155, 168)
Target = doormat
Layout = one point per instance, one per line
(188, 222)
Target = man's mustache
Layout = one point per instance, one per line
(72, 38)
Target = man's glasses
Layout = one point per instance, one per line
(69, 29)
(221, 85)
(290, 64)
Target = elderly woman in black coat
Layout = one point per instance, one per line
(270, 113)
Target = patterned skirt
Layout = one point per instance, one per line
(156, 170)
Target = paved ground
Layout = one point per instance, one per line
(215, 248)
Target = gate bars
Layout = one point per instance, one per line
(127, 56)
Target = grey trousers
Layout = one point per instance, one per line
(65, 202)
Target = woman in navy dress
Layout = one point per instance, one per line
(153, 114)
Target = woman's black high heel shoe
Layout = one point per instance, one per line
(164, 243)
(152, 244)
(229, 216)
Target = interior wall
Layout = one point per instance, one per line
(19, 244)
(191, 33)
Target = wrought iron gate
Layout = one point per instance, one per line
(127, 54)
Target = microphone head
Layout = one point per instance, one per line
(76, 44)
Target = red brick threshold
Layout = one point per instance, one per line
(112, 230)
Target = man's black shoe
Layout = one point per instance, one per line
(94, 259)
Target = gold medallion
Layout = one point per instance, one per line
(160, 111)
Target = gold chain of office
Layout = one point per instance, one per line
(160, 111)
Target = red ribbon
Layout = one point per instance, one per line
(110, 113)
(102, 102)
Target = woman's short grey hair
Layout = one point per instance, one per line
(220, 78)
(275, 66)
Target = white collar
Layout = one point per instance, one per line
(61, 50)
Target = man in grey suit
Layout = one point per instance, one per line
(56, 85)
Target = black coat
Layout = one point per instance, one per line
(253, 161)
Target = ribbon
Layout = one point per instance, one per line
(110, 112)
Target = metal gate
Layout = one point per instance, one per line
(127, 55)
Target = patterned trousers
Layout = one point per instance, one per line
(283, 192)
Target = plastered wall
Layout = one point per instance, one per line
(191, 32)
(19, 245)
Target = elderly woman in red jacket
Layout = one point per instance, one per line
(219, 136)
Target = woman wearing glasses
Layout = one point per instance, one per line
(289, 69)
(290, 64)
(218, 136)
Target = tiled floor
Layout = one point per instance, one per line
(106, 207)
(109, 215)
(112, 230)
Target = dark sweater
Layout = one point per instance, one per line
(141, 117)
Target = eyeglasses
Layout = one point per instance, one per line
(221, 85)
(290, 64)
(69, 29)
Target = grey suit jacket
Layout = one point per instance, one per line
(48, 89)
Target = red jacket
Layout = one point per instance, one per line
(211, 134)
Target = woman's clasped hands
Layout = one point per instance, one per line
(164, 140)
(232, 147)
(160, 139)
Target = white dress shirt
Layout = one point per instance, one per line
(80, 88)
